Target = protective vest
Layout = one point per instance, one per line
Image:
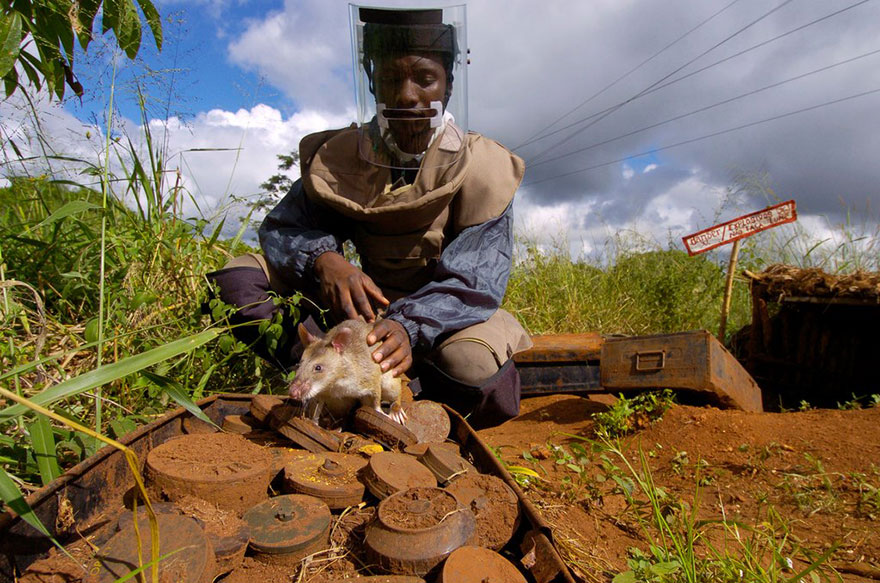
(399, 231)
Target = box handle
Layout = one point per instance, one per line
(656, 360)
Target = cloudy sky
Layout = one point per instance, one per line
(630, 114)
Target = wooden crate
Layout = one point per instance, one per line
(692, 361)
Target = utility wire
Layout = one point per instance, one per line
(712, 135)
(716, 63)
(667, 76)
(706, 108)
(537, 135)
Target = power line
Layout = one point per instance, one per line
(712, 135)
(711, 65)
(667, 76)
(706, 108)
(537, 136)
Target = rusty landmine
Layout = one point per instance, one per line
(419, 449)
(285, 529)
(240, 424)
(281, 414)
(478, 565)
(381, 579)
(261, 405)
(446, 465)
(414, 530)
(310, 436)
(389, 472)
(126, 517)
(493, 503)
(382, 428)
(192, 424)
(193, 561)
(331, 477)
(427, 420)
(227, 533)
(224, 469)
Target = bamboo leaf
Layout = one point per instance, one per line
(10, 39)
(74, 207)
(14, 499)
(43, 441)
(177, 392)
(153, 20)
(111, 372)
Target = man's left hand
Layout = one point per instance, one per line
(395, 353)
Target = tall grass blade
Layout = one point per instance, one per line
(176, 392)
(43, 442)
(74, 207)
(112, 372)
(14, 499)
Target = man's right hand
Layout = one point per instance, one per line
(347, 290)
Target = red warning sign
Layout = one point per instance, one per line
(741, 227)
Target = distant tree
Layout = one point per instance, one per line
(37, 36)
(277, 185)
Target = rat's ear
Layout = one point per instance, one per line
(305, 336)
(342, 339)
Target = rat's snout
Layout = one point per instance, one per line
(298, 389)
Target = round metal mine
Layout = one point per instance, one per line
(381, 579)
(332, 477)
(478, 565)
(190, 558)
(382, 428)
(285, 529)
(414, 530)
(419, 449)
(192, 424)
(388, 472)
(427, 420)
(445, 464)
(222, 468)
(493, 503)
(261, 405)
(240, 424)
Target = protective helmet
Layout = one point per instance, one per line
(411, 84)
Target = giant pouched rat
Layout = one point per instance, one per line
(338, 371)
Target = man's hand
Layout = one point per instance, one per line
(395, 353)
(347, 290)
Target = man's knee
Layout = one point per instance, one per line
(244, 284)
(468, 362)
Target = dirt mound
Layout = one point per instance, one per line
(787, 280)
(809, 480)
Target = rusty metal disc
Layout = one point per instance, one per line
(445, 464)
(261, 405)
(415, 529)
(229, 544)
(382, 428)
(285, 529)
(419, 449)
(310, 436)
(126, 517)
(478, 565)
(193, 561)
(389, 472)
(240, 424)
(494, 504)
(427, 420)
(381, 579)
(332, 477)
(192, 424)
(281, 414)
(222, 468)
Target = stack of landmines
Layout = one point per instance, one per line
(274, 495)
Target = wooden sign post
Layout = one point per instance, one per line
(732, 232)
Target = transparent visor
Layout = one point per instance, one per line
(411, 85)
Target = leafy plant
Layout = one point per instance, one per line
(631, 414)
(38, 36)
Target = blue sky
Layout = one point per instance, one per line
(788, 88)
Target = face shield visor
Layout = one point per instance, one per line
(411, 84)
